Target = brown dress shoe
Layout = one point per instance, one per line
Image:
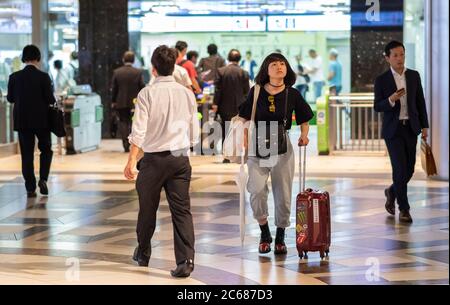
(390, 202)
(405, 217)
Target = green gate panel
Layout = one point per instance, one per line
(323, 125)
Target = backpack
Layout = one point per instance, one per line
(305, 76)
(76, 74)
(181, 63)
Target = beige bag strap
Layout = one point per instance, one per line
(252, 121)
(255, 101)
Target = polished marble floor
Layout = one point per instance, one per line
(84, 232)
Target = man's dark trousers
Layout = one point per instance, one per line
(402, 152)
(125, 123)
(173, 173)
(27, 140)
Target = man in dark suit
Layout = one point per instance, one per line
(31, 92)
(231, 88)
(127, 81)
(399, 95)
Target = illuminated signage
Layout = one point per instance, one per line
(154, 23)
(335, 22)
(386, 19)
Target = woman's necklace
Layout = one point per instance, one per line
(276, 86)
(271, 99)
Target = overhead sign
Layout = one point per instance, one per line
(155, 23)
(284, 23)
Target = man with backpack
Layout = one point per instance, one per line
(182, 46)
(73, 69)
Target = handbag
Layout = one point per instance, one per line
(56, 121)
(278, 137)
(427, 159)
(233, 145)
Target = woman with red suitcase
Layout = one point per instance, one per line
(270, 106)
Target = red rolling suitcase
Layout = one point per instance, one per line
(313, 218)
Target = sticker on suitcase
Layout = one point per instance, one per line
(316, 210)
(302, 224)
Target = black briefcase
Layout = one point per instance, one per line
(56, 121)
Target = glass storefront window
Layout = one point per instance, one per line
(414, 35)
(63, 21)
(15, 32)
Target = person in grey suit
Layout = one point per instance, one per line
(399, 96)
(127, 82)
(231, 89)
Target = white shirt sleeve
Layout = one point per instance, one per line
(187, 80)
(141, 116)
(195, 124)
(392, 103)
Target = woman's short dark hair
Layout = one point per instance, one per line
(163, 59)
(31, 53)
(392, 45)
(263, 75)
(212, 49)
(234, 56)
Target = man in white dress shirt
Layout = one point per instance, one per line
(165, 126)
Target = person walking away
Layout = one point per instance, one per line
(165, 127)
(127, 81)
(232, 86)
(31, 92)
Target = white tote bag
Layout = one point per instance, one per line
(233, 145)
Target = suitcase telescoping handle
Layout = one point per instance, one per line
(302, 169)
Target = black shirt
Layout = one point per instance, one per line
(303, 112)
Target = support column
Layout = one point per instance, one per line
(39, 11)
(103, 38)
(437, 25)
(373, 26)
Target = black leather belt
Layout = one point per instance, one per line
(404, 122)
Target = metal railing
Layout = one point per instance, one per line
(354, 124)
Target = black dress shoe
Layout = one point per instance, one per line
(226, 161)
(43, 187)
(31, 195)
(280, 248)
(390, 202)
(183, 269)
(405, 217)
(142, 258)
